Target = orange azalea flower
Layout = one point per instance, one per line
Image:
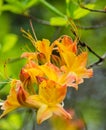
(76, 66)
(49, 100)
(16, 98)
(41, 46)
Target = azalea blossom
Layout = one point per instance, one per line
(49, 100)
(74, 63)
(16, 98)
(44, 79)
(76, 66)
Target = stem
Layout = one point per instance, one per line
(97, 26)
(44, 22)
(52, 8)
(93, 10)
(99, 62)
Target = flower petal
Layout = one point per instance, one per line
(45, 48)
(11, 102)
(69, 44)
(35, 101)
(51, 92)
(43, 114)
(60, 111)
(51, 71)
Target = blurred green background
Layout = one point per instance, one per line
(89, 101)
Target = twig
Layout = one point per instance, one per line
(99, 62)
(38, 20)
(92, 10)
(93, 52)
(92, 27)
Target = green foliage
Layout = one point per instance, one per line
(12, 122)
(75, 11)
(79, 12)
(9, 41)
(71, 6)
(58, 21)
(17, 6)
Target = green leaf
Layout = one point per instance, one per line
(17, 6)
(12, 8)
(71, 6)
(58, 21)
(30, 3)
(80, 12)
(9, 41)
(16, 120)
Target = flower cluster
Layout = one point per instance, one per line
(43, 81)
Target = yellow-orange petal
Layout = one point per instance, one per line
(43, 114)
(51, 92)
(60, 111)
(35, 101)
(69, 44)
(45, 48)
(11, 102)
(80, 61)
(51, 71)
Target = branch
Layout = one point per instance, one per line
(99, 62)
(93, 52)
(92, 10)
(92, 27)
(44, 22)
